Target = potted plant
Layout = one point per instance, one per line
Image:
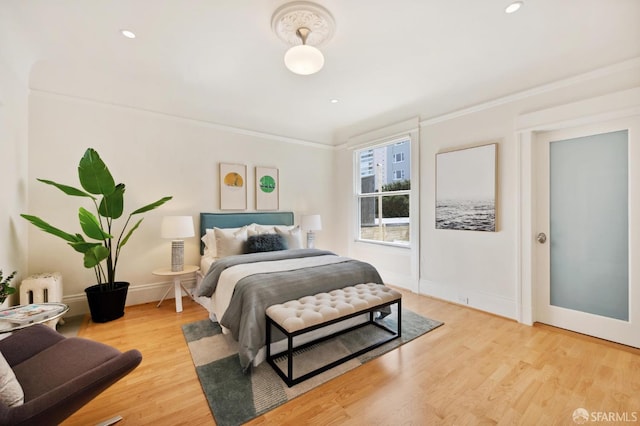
(101, 249)
(5, 286)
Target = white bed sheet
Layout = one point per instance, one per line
(205, 263)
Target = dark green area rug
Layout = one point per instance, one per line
(235, 397)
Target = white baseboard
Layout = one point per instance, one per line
(487, 302)
(398, 280)
(137, 295)
(498, 305)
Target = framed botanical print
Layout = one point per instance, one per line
(233, 186)
(267, 188)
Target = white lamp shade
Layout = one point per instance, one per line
(304, 59)
(176, 227)
(311, 222)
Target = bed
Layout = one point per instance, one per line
(236, 287)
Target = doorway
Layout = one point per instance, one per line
(586, 193)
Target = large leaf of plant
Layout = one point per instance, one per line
(69, 190)
(152, 205)
(126, 238)
(84, 246)
(95, 255)
(50, 229)
(90, 225)
(112, 205)
(94, 175)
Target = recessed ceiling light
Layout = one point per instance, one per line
(334, 101)
(513, 7)
(128, 33)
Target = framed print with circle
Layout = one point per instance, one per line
(233, 186)
(267, 188)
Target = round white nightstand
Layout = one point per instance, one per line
(177, 284)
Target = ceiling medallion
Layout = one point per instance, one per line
(303, 25)
(288, 18)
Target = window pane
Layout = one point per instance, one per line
(385, 165)
(392, 226)
(368, 210)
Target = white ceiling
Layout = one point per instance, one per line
(219, 61)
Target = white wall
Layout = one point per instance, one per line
(154, 155)
(13, 157)
(478, 268)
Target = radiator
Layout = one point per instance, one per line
(41, 288)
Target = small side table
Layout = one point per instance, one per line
(22, 316)
(177, 283)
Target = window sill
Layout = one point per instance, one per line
(385, 244)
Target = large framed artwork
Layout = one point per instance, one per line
(466, 189)
(233, 186)
(267, 188)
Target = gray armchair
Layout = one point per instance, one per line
(59, 375)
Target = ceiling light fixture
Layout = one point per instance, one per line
(513, 7)
(304, 59)
(128, 33)
(303, 25)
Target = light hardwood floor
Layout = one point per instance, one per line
(476, 369)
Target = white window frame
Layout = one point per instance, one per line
(410, 192)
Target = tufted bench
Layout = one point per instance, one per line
(309, 313)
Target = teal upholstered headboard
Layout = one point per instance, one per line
(236, 220)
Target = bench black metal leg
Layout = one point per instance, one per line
(268, 337)
(290, 358)
(288, 378)
(399, 317)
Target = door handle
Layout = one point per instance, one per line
(541, 238)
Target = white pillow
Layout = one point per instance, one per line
(230, 241)
(262, 229)
(11, 392)
(209, 240)
(292, 234)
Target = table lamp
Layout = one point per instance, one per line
(176, 228)
(311, 223)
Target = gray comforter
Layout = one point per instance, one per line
(245, 316)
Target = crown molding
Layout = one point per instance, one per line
(559, 84)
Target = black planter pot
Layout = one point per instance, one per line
(107, 304)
